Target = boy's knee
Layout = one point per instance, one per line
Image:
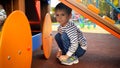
(64, 36)
(80, 52)
(57, 36)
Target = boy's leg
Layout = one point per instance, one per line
(74, 59)
(63, 42)
(59, 40)
(66, 43)
(79, 52)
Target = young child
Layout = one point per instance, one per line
(70, 40)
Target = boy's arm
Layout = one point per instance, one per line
(72, 34)
(82, 40)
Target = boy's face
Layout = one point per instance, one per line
(62, 17)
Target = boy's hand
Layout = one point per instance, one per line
(59, 53)
(63, 57)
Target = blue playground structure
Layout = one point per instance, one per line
(115, 11)
(111, 4)
(36, 41)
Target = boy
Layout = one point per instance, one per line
(71, 42)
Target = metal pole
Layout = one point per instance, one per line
(108, 1)
(119, 3)
(89, 1)
(97, 3)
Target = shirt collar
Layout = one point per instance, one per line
(66, 26)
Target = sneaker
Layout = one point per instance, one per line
(70, 61)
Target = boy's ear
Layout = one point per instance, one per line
(70, 15)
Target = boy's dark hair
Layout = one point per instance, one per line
(61, 6)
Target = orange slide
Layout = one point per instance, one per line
(93, 16)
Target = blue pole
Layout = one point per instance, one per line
(89, 1)
(108, 1)
(97, 3)
(119, 3)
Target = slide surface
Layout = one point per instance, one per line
(83, 10)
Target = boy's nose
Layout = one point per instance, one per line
(60, 17)
(59, 20)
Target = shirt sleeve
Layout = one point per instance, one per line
(72, 34)
(82, 40)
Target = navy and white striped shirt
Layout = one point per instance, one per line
(75, 35)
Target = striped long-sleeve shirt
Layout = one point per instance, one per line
(75, 35)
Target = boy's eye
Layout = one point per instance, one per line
(57, 14)
(63, 14)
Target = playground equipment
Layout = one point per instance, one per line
(93, 17)
(17, 42)
(108, 1)
(83, 20)
(36, 23)
(116, 10)
(93, 8)
(115, 2)
(78, 0)
(108, 19)
(31, 8)
(47, 36)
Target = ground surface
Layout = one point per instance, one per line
(103, 52)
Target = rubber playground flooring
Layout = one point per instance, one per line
(103, 52)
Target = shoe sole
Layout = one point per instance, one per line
(75, 62)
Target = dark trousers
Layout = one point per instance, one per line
(63, 42)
